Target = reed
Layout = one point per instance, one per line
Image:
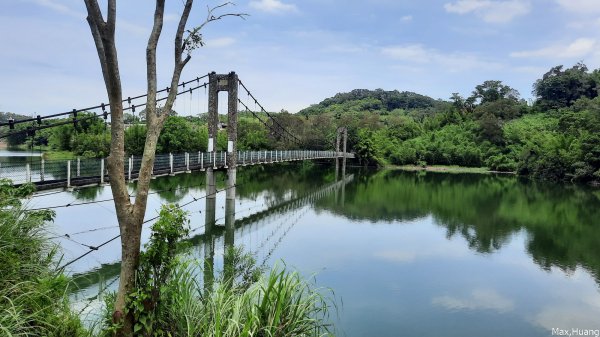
(33, 294)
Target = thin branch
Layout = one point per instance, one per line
(111, 17)
(151, 60)
(193, 38)
(180, 30)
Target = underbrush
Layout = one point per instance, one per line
(172, 297)
(33, 293)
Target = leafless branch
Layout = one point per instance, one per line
(194, 38)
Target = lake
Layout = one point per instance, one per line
(406, 253)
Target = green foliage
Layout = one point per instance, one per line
(156, 265)
(89, 138)
(560, 88)
(178, 136)
(493, 127)
(453, 144)
(135, 139)
(33, 299)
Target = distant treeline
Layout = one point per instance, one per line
(5, 116)
(556, 138)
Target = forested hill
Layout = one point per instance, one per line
(4, 116)
(371, 100)
(556, 138)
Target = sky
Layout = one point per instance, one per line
(294, 53)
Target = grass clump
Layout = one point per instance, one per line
(172, 299)
(33, 294)
(280, 303)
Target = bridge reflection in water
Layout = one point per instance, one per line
(219, 236)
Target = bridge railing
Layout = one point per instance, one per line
(81, 171)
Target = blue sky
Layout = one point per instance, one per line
(293, 53)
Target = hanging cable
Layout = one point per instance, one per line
(95, 248)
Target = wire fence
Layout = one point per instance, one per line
(83, 171)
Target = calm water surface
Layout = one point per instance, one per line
(407, 254)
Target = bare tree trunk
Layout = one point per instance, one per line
(131, 215)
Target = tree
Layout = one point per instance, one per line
(130, 214)
(490, 91)
(178, 136)
(560, 88)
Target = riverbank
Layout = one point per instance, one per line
(58, 155)
(445, 169)
(47, 152)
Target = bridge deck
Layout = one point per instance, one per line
(54, 174)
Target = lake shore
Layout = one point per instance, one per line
(445, 168)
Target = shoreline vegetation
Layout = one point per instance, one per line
(555, 138)
(446, 169)
(170, 300)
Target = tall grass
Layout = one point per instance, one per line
(170, 299)
(243, 302)
(33, 295)
(280, 303)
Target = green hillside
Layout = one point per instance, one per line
(372, 100)
(556, 138)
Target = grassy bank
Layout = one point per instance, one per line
(58, 155)
(444, 168)
(169, 299)
(47, 152)
(33, 292)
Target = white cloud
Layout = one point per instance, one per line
(411, 53)
(406, 18)
(580, 6)
(273, 6)
(220, 42)
(577, 49)
(490, 10)
(451, 62)
(171, 17)
(478, 299)
(60, 8)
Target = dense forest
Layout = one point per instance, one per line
(557, 137)
(5, 116)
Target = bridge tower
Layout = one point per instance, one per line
(217, 83)
(341, 135)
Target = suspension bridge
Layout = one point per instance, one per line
(53, 174)
(85, 172)
(259, 229)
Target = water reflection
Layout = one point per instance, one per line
(561, 221)
(428, 254)
(278, 200)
